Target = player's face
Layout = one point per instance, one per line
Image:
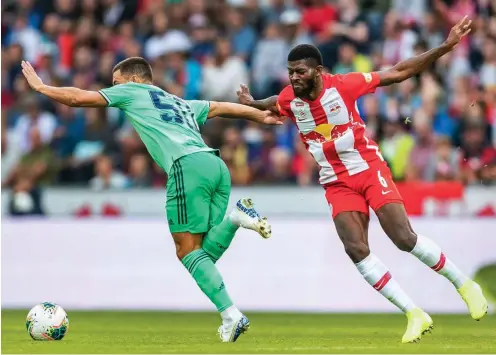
(117, 78)
(302, 77)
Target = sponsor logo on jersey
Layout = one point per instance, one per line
(321, 134)
(299, 104)
(301, 116)
(334, 109)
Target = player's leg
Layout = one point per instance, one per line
(350, 214)
(394, 221)
(217, 240)
(222, 228)
(188, 204)
(220, 235)
(385, 200)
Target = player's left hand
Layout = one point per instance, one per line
(272, 118)
(244, 95)
(458, 31)
(30, 74)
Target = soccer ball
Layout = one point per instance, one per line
(47, 321)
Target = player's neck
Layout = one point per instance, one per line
(317, 90)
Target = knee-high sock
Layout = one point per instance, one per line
(431, 255)
(379, 277)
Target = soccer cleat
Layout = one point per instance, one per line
(245, 215)
(419, 323)
(229, 333)
(471, 293)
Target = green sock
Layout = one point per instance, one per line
(208, 278)
(218, 239)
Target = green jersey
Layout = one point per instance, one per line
(167, 125)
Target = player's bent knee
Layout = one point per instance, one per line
(186, 242)
(356, 251)
(405, 240)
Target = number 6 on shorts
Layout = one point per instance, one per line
(381, 179)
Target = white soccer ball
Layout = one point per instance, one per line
(47, 321)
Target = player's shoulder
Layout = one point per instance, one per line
(286, 96)
(342, 79)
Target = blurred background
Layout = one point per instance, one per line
(437, 132)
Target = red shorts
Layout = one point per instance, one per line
(373, 187)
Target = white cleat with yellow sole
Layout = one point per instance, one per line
(245, 215)
(229, 333)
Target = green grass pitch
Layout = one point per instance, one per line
(165, 332)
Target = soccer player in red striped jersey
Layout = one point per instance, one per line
(355, 175)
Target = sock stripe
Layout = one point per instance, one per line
(196, 262)
(440, 263)
(183, 196)
(379, 285)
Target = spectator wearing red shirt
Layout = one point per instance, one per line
(318, 16)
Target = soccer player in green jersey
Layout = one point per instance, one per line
(199, 183)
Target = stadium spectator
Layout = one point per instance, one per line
(268, 62)
(223, 73)
(139, 171)
(444, 163)
(106, 177)
(235, 153)
(38, 165)
(44, 121)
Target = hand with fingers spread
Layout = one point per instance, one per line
(244, 95)
(458, 31)
(30, 74)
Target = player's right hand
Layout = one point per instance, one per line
(244, 95)
(30, 74)
(272, 118)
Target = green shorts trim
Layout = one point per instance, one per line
(198, 190)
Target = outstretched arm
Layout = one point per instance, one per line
(68, 96)
(410, 67)
(232, 110)
(245, 98)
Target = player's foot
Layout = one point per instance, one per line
(245, 215)
(419, 323)
(471, 293)
(230, 332)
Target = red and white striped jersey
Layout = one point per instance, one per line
(331, 127)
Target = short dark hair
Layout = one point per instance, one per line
(304, 52)
(135, 66)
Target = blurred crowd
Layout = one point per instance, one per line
(439, 126)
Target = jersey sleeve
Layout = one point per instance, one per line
(284, 103)
(200, 109)
(118, 95)
(359, 84)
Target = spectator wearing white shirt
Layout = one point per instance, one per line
(269, 62)
(44, 121)
(488, 69)
(223, 74)
(165, 41)
(29, 38)
(106, 177)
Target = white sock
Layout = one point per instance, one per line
(234, 218)
(431, 255)
(379, 277)
(230, 314)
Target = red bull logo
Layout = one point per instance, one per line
(321, 134)
(334, 109)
